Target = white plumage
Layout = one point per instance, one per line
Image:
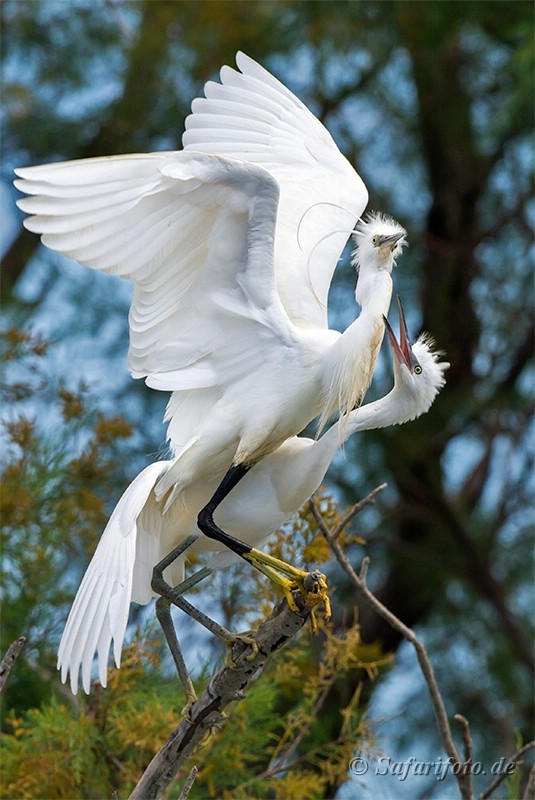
(231, 244)
(139, 534)
(232, 261)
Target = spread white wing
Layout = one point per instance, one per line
(254, 117)
(99, 613)
(195, 232)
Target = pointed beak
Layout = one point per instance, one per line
(402, 350)
(396, 349)
(389, 241)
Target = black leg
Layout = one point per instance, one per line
(205, 520)
(313, 586)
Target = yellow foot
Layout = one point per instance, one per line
(244, 639)
(213, 730)
(186, 711)
(312, 585)
(314, 590)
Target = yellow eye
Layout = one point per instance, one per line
(417, 370)
(375, 240)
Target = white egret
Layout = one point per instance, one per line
(232, 256)
(139, 534)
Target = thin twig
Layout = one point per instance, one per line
(353, 511)
(467, 739)
(505, 773)
(468, 749)
(190, 780)
(369, 500)
(302, 732)
(302, 759)
(529, 792)
(9, 659)
(444, 729)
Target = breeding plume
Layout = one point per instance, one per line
(231, 244)
(139, 534)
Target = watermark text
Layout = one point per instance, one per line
(384, 765)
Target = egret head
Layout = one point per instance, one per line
(418, 371)
(379, 239)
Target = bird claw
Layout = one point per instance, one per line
(311, 585)
(313, 588)
(214, 729)
(186, 711)
(231, 640)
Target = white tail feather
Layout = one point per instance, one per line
(99, 613)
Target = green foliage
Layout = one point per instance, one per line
(272, 741)
(275, 741)
(57, 480)
(93, 746)
(58, 477)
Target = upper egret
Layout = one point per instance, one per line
(139, 534)
(232, 257)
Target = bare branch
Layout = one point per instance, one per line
(227, 685)
(468, 749)
(506, 772)
(357, 508)
(467, 738)
(529, 793)
(9, 659)
(346, 519)
(443, 725)
(190, 780)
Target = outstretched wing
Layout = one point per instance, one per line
(254, 117)
(195, 232)
(99, 613)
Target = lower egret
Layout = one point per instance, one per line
(139, 533)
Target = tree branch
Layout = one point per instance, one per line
(505, 773)
(186, 789)
(443, 725)
(9, 659)
(468, 749)
(529, 792)
(356, 509)
(227, 685)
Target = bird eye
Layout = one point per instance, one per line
(417, 369)
(375, 240)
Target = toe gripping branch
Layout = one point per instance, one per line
(312, 586)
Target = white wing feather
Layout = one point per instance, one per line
(99, 613)
(254, 117)
(194, 232)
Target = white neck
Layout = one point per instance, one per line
(378, 414)
(348, 365)
(370, 285)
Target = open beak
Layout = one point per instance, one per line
(389, 241)
(402, 350)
